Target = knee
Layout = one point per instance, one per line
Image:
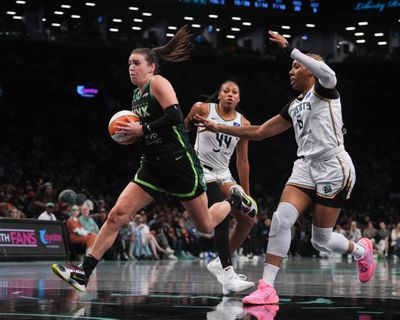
(117, 217)
(320, 238)
(283, 218)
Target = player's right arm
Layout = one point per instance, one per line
(200, 108)
(270, 128)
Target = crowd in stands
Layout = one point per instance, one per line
(51, 139)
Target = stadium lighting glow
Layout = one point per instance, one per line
(359, 34)
(286, 27)
(113, 29)
(56, 25)
(363, 23)
(117, 20)
(195, 25)
(172, 28)
(59, 13)
(350, 28)
(310, 25)
(235, 29)
(217, 29)
(213, 16)
(147, 14)
(230, 36)
(236, 18)
(44, 20)
(11, 13)
(20, 2)
(360, 41)
(245, 23)
(188, 18)
(133, 8)
(378, 34)
(90, 4)
(17, 17)
(286, 36)
(138, 20)
(75, 16)
(65, 6)
(169, 35)
(136, 28)
(382, 43)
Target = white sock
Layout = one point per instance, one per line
(269, 274)
(358, 251)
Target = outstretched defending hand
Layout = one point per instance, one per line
(130, 127)
(277, 38)
(206, 124)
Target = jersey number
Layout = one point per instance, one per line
(222, 138)
(299, 122)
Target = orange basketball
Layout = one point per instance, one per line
(122, 116)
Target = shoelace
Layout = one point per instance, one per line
(74, 268)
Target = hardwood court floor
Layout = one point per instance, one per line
(309, 288)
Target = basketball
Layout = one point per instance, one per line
(122, 116)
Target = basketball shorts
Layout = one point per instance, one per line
(178, 175)
(220, 176)
(328, 182)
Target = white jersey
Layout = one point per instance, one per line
(215, 149)
(317, 121)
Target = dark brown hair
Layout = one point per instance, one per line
(176, 50)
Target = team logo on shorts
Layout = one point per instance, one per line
(327, 188)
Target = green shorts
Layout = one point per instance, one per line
(178, 175)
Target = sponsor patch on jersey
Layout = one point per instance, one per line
(236, 124)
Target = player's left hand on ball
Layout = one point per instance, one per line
(206, 124)
(129, 127)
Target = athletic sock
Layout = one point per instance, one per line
(269, 274)
(88, 265)
(221, 241)
(358, 251)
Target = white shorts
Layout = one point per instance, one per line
(220, 176)
(331, 181)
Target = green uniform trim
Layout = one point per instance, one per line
(149, 185)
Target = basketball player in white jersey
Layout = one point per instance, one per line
(323, 176)
(214, 151)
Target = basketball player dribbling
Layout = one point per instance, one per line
(322, 177)
(169, 164)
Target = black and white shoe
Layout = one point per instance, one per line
(71, 274)
(249, 205)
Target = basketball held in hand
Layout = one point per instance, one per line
(122, 116)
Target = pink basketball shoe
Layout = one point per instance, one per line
(366, 265)
(264, 294)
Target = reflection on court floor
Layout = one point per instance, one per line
(309, 289)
